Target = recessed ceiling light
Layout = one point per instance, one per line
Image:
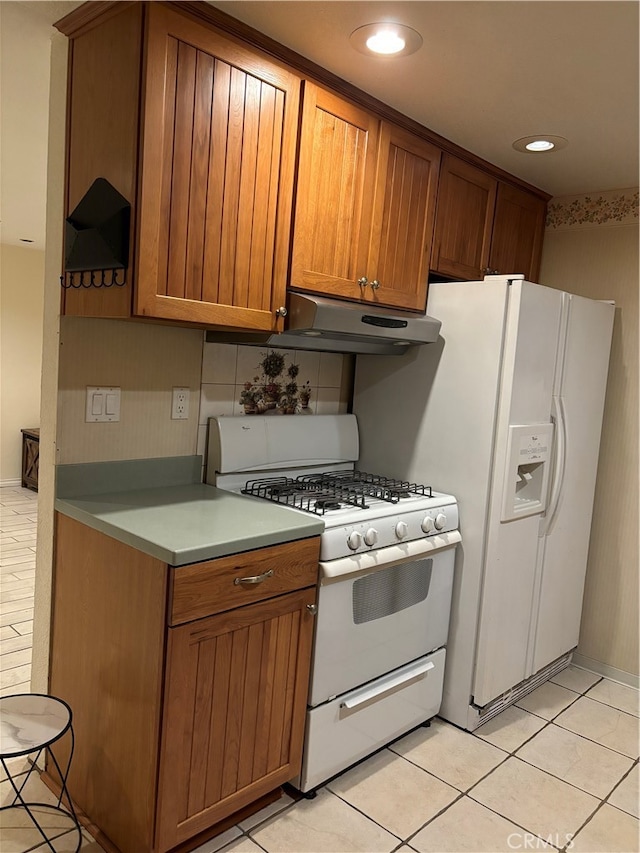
(542, 142)
(385, 39)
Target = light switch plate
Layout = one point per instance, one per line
(103, 404)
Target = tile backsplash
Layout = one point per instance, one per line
(235, 382)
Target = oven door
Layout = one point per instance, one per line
(380, 610)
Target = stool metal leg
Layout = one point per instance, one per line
(63, 789)
(19, 799)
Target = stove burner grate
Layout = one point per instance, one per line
(311, 497)
(320, 493)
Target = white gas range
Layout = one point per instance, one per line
(385, 579)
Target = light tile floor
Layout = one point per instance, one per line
(557, 771)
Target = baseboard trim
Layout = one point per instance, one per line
(9, 483)
(607, 671)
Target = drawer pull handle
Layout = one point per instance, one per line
(254, 579)
(385, 685)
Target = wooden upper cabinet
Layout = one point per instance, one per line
(217, 164)
(364, 205)
(403, 220)
(518, 229)
(335, 192)
(464, 220)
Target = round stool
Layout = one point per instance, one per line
(32, 722)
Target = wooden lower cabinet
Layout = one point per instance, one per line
(233, 712)
(177, 727)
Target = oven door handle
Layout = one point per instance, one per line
(385, 685)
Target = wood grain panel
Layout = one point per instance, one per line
(161, 263)
(265, 690)
(251, 699)
(201, 139)
(235, 705)
(215, 191)
(102, 136)
(205, 588)
(263, 227)
(114, 684)
(218, 729)
(464, 220)
(247, 187)
(181, 170)
(337, 168)
(231, 177)
(224, 713)
(518, 228)
(203, 710)
(403, 221)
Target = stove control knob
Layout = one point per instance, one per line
(354, 540)
(427, 524)
(441, 520)
(401, 529)
(371, 536)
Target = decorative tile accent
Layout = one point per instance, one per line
(616, 207)
(238, 380)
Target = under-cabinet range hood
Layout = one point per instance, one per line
(317, 323)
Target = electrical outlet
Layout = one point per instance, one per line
(180, 404)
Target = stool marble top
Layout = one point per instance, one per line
(30, 721)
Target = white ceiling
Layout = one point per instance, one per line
(489, 72)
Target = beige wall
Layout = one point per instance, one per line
(146, 362)
(601, 261)
(21, 301)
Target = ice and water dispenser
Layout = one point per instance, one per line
(527, 474)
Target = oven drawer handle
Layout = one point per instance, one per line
(254, 579)
(371, 693)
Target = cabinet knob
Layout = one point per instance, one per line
(312, 608)
(375, 284)
(364, 281)
(281, 312)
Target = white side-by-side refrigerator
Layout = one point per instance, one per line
(505, 412)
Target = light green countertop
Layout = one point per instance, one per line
(188, 523)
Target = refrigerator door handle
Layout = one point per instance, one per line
(559, 418)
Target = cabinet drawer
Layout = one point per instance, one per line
(203, 589)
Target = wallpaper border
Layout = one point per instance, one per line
(613, 207)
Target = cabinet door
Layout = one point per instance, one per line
(464, 219)
(404, 212)
(335, 193)
(218, 148)
(518, 228)
(234, 712)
